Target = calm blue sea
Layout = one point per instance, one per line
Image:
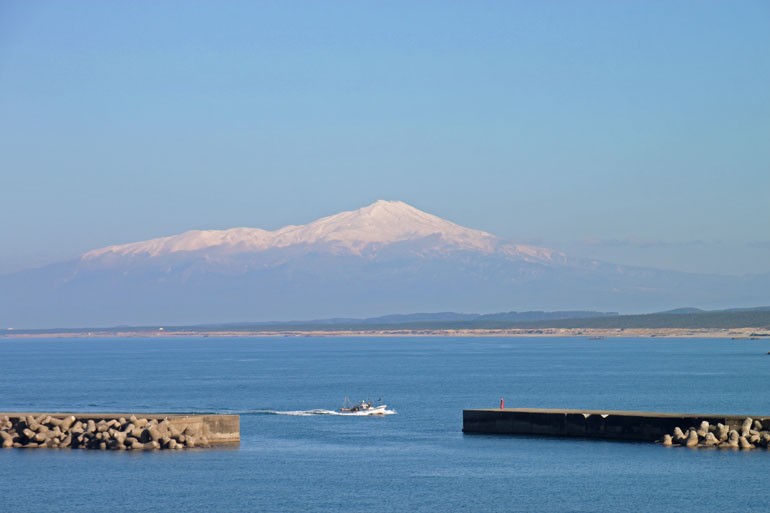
(417, 460)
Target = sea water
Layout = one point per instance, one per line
(292, 457)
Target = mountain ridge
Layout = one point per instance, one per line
(369, 228)
(382, 258)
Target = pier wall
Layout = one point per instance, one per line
(619, 425)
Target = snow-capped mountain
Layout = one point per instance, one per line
(360, 232)
(385, 258)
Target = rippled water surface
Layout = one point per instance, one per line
(414, 460)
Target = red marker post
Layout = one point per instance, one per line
(502, 403)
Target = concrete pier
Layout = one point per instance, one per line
(215, 429)
(617, 425)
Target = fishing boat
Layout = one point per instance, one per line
(364, 406)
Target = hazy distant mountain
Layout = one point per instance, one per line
(387, 257)
(381, 228)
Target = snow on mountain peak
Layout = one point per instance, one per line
(383, 222)
(371, 227)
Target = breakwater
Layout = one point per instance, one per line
(107, 431)
(752, 434)
(617, 425)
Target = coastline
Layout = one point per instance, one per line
(749, 333)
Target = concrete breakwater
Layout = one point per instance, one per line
(117, 431)
(752, 434)
(617, 425)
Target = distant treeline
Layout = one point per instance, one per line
(754, 318)
(418, 321)
(687, 318)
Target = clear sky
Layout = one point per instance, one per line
(637, 132)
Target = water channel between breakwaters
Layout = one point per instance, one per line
(418, 460)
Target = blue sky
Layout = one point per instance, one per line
(635, 132)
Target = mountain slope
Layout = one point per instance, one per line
(387, 257)
(366, 231)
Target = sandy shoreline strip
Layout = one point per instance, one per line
(728, 333)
